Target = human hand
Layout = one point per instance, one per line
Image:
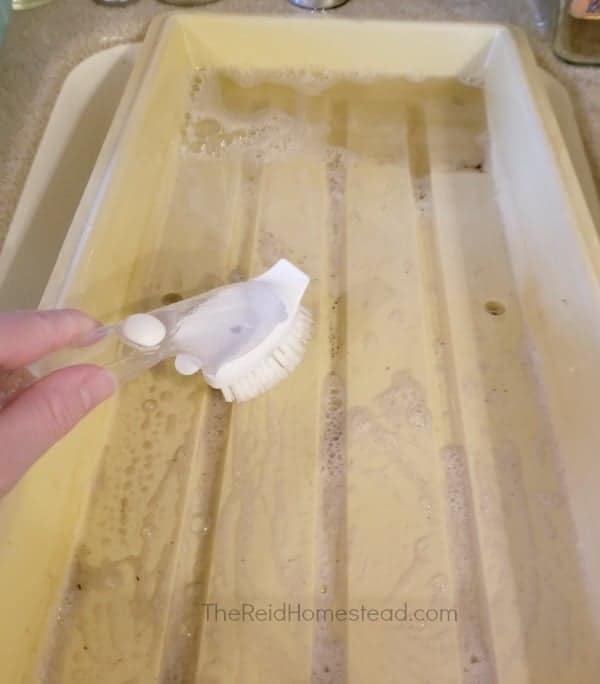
(33, 419)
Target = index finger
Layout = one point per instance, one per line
(26, 336)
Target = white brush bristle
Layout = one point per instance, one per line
(277, 365)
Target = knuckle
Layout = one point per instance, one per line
(60, 413)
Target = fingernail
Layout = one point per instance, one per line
(97, 387)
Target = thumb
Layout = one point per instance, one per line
(44, 412)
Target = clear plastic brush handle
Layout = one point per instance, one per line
(103, 347)
(107, 346)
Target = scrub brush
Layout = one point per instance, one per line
(244, 337)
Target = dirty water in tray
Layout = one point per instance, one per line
(351, 486)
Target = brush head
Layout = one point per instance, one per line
(246, 337)
(282, 357)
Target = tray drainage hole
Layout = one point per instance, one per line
(171, 298)
(495, 308)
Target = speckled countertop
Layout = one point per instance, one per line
(43, 45)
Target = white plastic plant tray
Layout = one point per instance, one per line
(436, 453)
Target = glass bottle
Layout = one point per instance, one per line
(577, 37)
